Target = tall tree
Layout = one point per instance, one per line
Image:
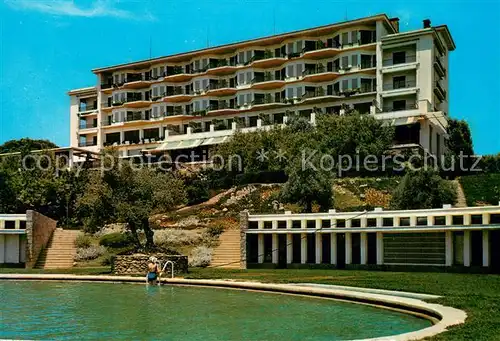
(460, 138)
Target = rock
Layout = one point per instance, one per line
(224, 209)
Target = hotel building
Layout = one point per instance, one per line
(194, 100)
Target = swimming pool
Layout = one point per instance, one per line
(97, 311)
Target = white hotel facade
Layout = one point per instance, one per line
(193, 100)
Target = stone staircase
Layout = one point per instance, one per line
(60, 251)
(461, 201)
(227, 254)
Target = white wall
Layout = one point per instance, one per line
(11, 248)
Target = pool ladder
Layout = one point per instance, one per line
(164, 267)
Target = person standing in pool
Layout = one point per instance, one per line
(153, 271)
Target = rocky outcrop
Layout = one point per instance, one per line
(138, 264)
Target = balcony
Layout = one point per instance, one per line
(88, 107)
(407, 106)
(440, 92)
(87, 144)
(399, 61)
(220, 67)
(265, 100)
(220, 88)
(88, 125)
(266, 80)
(438, 65)
(399, 85)
(177, 94)
(176, 74)
(136, 80)
(174, 111)
(221, 106)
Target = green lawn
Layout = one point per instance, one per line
(477, 294)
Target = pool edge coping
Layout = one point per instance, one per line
(446, 316)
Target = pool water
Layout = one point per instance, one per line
(107, 311)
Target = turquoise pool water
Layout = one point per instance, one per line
(106, 311)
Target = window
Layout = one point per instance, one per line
(345, 62)
(399, 57)
(345, 84)
(404, 221)
(431, 132)
(345, 38)
(399, 105)
(354, 59)
(354, 83)
(399, 82)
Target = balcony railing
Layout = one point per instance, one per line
(264, 100)
(87, 144)
(220, 106)
(320, 68)
(397, 61)
(400, 85)
(319, 92)
(88, 107)
(221, 84)
(440, 66)
(87, 126)
(177, 91)
(440, 89)
(265, 78)
(408, 106)
(136, 77)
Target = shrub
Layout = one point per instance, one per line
(89, 253)
(481, 188)
(116, 240)
(107, 259)
(423, 189)
(197, 192)
(214, 230)
(83, 241)
(200, 256)
(173, 237)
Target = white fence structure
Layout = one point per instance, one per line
(447, 236)
(12, 238)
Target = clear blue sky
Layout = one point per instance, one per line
(49, 47)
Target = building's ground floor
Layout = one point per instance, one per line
(466, 248)
(12, 249)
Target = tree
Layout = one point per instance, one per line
(423, 189)
(460, 138)
(128, 195)
(307, 185)
(25, 145)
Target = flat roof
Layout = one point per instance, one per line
(217, 49)
(83, 91)
(75, 150)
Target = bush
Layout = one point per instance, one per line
(116, 240)
(423, 189)
(200, 256)
(215, 230)
(197, 192)
(173, 237)
(83, 241)
(481, 188)
(89, 253)
(107, 259)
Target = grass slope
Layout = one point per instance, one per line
(481, 189)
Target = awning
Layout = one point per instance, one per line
(401, 121)
(214, 140)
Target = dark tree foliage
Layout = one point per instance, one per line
(26, 145)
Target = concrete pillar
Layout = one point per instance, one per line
(212, 128)
(274, 224)
(303, 224)
(466, 219)
(319, 248)
(303, 248)
(380, 248)
(430, 220)
(333, 248)
(234, 126)
(2, 248)
(486, 248)
(413, 221)
(363, 222)
(379, 222)
(466, 248)
(259, 123)
(260, 225)
(449, 248)
(396, 221)
(275, 248)
(348, 223)
(348, 248)
(17, 224)
(486, 218)
(260, 247)
(364, 248)
(2, 224)
(449, 220)
(289, 248)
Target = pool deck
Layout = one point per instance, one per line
(412, 303)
